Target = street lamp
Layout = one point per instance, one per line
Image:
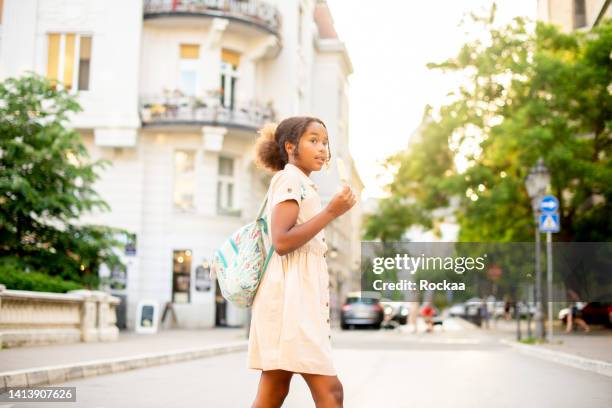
(537, 183)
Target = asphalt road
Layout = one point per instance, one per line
(455, 368)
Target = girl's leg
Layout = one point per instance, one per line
(583, 324)
(326, 390)
(273, 388)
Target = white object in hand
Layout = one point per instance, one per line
(341, 170)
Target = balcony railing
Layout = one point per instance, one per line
(193, 111)
(254, 12)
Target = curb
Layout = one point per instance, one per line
(595, 366)
(62, 373)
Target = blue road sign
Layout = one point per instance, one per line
(549, 222)
(549, 204)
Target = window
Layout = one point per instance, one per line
(579, 13)
(184, 179)
(69, 60)
(181, 276)
(188, 65)
(226, 187)
(229, 75)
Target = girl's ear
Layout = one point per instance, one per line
(289, 148)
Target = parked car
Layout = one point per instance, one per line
(469, 308)
(596, 312)
(499, 310)
(472, 307)
(457, 310)
(361, 309)
(395, 311)
(527, 309)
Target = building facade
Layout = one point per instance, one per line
(173, 92)
(574, 14)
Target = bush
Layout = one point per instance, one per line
(13, 276)
(47, 181)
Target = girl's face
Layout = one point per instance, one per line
(312, 149)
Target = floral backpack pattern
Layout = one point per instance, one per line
(241, 261)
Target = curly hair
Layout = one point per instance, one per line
(270, 150)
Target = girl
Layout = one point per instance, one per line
(290, 325)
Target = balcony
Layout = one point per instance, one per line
(187, 111)
(252, 14)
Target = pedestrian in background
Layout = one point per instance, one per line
(427, 312)
(574, 313)
(507, 307)
(484, 314)
(290, 324)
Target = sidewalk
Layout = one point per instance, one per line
(56, 363)
(595, 345)
(589, 351)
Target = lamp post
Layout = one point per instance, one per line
(537, 183)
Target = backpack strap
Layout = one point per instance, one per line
(265, 225)
(262, 208)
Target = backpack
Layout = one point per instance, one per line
(241, 261)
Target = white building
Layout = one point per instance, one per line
(574, 14)
(173, 92)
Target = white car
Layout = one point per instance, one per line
(457, 310)
(472, 306)
(499, 310)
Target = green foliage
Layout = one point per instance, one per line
(46, 181)
(12, 275)
(531, 340)
(531, 93)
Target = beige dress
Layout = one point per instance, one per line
(290, 321)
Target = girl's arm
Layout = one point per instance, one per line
(287, 236)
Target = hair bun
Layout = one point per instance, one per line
(268, 131)
(267, 151)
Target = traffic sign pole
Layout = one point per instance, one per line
(549, 276)
(549, 223)
(539, 315)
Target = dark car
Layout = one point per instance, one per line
(360, 309)
(595, 312)
(598, 312)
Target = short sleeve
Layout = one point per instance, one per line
(286, 187)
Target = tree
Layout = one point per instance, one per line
(46, 182)
(531, 93)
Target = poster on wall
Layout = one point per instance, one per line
(202, 277)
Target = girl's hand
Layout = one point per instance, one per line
(342, 201)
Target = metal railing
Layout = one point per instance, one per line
(185, 110)
(258, 13)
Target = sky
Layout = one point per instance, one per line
(389, 43)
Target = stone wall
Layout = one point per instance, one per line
(36, 318)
